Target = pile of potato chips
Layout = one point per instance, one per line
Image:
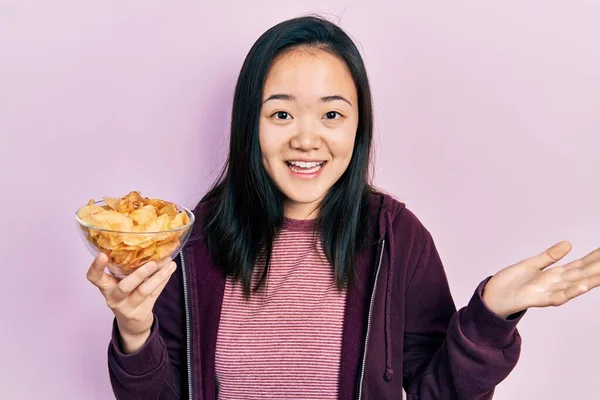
(132, 229)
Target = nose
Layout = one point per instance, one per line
(306, 138)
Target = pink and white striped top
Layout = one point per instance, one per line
(285, 342)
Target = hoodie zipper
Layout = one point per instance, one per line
(188, 344)
(364, 360)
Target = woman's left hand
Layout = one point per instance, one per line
(530, 283)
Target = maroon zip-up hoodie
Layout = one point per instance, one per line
(401, 327)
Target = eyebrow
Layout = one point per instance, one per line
(291, 97)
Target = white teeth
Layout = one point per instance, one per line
(304, 164)
(305, 167)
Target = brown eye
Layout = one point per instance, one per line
(332, 115)
(282, 115)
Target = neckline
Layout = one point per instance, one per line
(299, 224)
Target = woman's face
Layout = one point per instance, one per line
(308, 123)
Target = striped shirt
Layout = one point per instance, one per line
(285, 342)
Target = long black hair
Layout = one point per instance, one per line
(246, 208)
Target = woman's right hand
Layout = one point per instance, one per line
(132, 298)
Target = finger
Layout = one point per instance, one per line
(575, 289)
(156, 292)
(561, 297)
(152, 287)
(581, 271)
(98, 277)
(149, 301)
(550, 256)
(590, 258)
(135, 279)
(592, 279)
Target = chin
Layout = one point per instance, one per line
(305, 198)
(300, 198)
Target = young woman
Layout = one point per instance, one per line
(300, 280)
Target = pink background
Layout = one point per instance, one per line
(487, 125)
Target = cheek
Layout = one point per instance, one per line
(270, 143)
(342, 146)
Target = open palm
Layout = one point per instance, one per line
(530, 283)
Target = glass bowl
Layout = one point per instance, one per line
(129, 250)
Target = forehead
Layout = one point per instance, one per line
(310, 73)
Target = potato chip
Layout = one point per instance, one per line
(147, 251)
(144, 215)
(122, 256)
(131, 202)
(139, 241)
(157, 203)
(97, 221)
(179, 220)
(170, 210)
(104, 242)
(88, 210)
(122, 225)
(112, 203)
(166, 248)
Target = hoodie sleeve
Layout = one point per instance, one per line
(451, 354)
(155, 371)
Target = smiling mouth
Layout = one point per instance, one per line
(305, 167)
